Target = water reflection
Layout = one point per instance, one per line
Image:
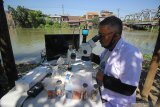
(28, 43)
(145, 41)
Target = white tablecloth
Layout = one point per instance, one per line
(15, 98)
(42, 99)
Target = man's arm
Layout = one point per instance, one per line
(95, 58)
(116, 85)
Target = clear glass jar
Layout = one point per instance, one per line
(94, 93)
(59, 88)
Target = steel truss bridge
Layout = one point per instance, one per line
(147, 17)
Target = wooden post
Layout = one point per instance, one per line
(6, 48)
(153, 69)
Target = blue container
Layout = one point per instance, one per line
(85, 32)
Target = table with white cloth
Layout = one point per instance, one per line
(82, 71)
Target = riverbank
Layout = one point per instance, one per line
(23, 68)
(154, 93)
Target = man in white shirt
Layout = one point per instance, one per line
(120, 65)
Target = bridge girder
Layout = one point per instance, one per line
(144, 15)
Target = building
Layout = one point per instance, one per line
(56, 18)
(104, 14)
(73, 21)
(91, 15)
(64, 18)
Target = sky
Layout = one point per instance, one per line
(81, 7)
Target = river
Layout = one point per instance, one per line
(28, 43)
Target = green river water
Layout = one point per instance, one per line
(28, 43)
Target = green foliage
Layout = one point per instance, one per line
(27, 18)
(48, 26)
(95, 22)
(147, 57)
(41, 26)
(82, 25)
(49, 21)
(146, 61)
(13, 12)
(56, 25)
(64, 25)
(21, 16)
(35, 18)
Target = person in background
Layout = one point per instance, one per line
(120, 65)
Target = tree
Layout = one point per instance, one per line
(35, 18)
(64, 25)
(13, 13)
(49, 21)
(82, 25)
(22, 17)
(27, 18)
(56, 25)
(95, 21)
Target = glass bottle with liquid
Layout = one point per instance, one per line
(84, 92)
(71, 56)
(59, 88)
(94, 93)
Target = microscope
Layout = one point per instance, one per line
(85, 49)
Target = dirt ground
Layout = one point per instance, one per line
(155, 89)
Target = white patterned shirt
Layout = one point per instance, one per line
(124, 63)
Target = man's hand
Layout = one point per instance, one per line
(99, 76)
(95, 58)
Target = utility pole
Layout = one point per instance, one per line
(62, 9)
(118, 12)
(6, 49)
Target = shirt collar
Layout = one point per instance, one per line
(119, 44)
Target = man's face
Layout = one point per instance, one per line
(107, 34)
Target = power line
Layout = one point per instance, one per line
(62, 9)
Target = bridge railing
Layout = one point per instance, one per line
(147, 15)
